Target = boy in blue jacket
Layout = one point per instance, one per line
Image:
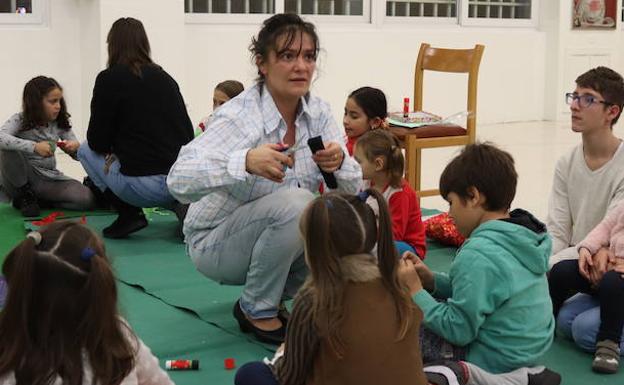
(494, 301)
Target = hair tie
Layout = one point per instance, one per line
(35, 236)
(363, 195)
(87, 253)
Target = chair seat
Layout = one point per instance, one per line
(432, 131)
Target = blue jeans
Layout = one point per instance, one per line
(139, 191)
(258, 246)
(403, 247)
(579, 320)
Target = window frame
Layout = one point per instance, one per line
(36, 17)
(467, 21)
(258, 18)
(374, 14)
(419, 20)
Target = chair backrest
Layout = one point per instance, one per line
(450, 60)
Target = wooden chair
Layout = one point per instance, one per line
(415, 140)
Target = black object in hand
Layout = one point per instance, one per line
(315, 145)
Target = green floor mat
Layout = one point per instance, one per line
(155, 260)
(174, 334)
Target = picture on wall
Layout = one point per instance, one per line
(592, 14)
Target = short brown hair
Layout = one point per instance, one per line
(231, 88)
(607, 83)
(485, 167)
(128, 45)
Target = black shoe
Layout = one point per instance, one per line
(26, 201)
(545, 377)
(131, 218)
(125, 225)
(274, 337)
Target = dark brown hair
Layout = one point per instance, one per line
(128, 45)
(485, 167)
(59, 305)
(607, 83)
(230, 87)
(372, 101)
(276, 26)
(382, 143)
(327, 240)
(33, 113)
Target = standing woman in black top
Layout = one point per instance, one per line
(138, 124)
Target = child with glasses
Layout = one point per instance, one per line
(588, 183)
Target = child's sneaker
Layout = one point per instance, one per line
(607, 357)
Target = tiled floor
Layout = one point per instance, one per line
(536, 146)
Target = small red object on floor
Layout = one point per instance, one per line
(49, 219)
(229, 363)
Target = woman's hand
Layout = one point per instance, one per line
(69, 146)
(268, 162)
(585, 262)
(424, 273)
(329, 159)
(409, 276)
(44, 149)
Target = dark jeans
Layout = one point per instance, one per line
(255, 373)
(565, 280)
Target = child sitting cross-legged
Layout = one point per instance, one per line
(493, 306)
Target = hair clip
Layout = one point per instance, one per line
(329, 203)
(35, 236)
(363, 195)
(87, 254)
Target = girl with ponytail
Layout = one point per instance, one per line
(379, 154)
(353, 321)
(60, 322)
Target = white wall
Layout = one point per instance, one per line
(51, 50)
(510, 81)
(572, 52)
(523, 75)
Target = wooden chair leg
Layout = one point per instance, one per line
(417, 168)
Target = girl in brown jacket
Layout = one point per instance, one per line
(353, 321)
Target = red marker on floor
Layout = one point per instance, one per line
(182, 364)
(229, 363)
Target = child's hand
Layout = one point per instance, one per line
(585, 262)
(409, 276)
(69, 146)
(44, 149)
(424, 273)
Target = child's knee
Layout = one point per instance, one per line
(585, 329)
(611, 283)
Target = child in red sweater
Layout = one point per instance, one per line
(379, 154)
(366, 109)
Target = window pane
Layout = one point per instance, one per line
(15, 6)
(325, 7)
(422, 8)
(499, 9)
(229, 6)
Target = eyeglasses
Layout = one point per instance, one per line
(584, 100)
